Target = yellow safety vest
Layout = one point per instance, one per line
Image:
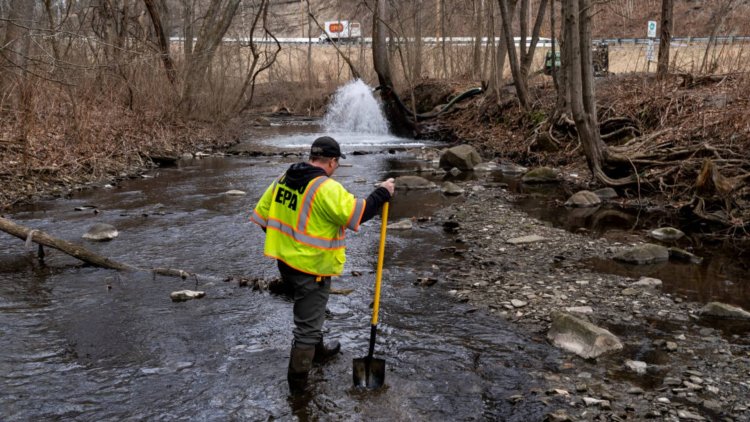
(305, 229)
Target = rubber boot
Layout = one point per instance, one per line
(324, 353)
(300, 363)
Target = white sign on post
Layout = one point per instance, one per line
(652, 29)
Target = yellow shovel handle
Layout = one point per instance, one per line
(379, 271)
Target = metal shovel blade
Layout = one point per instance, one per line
(369, 372)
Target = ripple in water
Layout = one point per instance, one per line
(355, 109)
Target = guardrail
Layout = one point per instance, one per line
(367, 40)
(543, 42)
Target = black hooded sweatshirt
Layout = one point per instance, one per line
(300, 174)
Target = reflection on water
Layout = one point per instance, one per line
(724, 274)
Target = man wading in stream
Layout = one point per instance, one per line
(304, 214)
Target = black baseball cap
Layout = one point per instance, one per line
(325, 146)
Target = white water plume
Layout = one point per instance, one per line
(355, 109)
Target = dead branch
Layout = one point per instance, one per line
(692, 81)
(620, 132)
(78, 251)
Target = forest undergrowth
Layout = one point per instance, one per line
(687, 137)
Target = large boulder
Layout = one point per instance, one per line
(413, 182)
(643, 254)
(487, 166)
(722, 310)
(583, 199)
(683, 255)
(606, 193)
(452, 189)
(101, 232)
(463, 157)
(541, 175)
(581, 337)
(511, 168)
(666, 234)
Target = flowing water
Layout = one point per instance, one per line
(83, 343)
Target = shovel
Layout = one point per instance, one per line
(369, 372)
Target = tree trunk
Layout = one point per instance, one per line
(490, 58)
(662, 67)
(396, 115)
(159, 13)
(441, 6)
(528, 54)
(416, 71)
(187, 30)
(579, 69)
(562, 105)
(496, 82)
(309, 52)
(16, 45)
(477, 50)
(521, 88)
(15, 50)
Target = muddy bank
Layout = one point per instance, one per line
(52, 161)
(686, 366)
(687, 137)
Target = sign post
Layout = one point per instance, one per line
(650, 47)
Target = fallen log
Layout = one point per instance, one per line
(78, 251)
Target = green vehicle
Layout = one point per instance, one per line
(548, 62)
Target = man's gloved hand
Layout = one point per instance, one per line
(390, 185)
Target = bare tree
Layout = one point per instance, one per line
(476, 69)
(515, 68)
(216, 22)
(417, 61)
(662, 68)
(562, 105)
(15, 54)
(256, 65)
(579, 68)
(441, 35)
(188, 17)
(716, 21)
(527, 53)
(17, 42)
(394, 110)
(496, 76)
(159, 13)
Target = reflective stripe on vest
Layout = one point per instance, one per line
(258, 219)
(359, 209)
(304, 215)
(305, 238)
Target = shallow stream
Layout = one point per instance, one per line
(83, 343)
(92, 344)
